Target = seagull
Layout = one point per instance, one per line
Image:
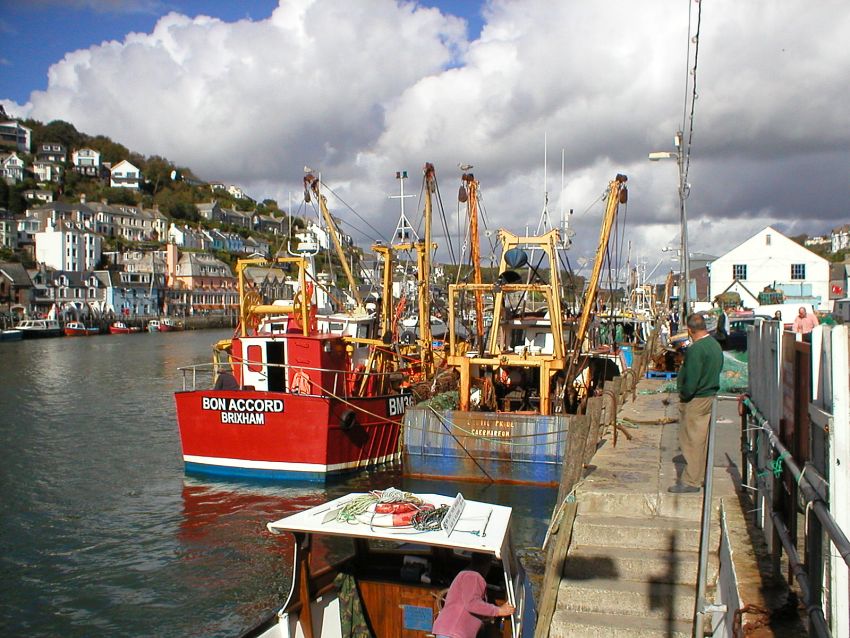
(464, 167)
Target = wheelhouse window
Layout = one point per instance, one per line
(739, 271)
(798, 271)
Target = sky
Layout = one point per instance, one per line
(251, 92)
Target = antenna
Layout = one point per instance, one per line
(404, 231)
(544, 224)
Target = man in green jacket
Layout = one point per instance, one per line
(698, 383)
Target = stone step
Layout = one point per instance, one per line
(657, 532)
(651, 599)
(687, 506)
(629, 563)
(572, 624)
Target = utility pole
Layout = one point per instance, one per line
(684, 191)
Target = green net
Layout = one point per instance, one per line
(444, 401)
(733, 377)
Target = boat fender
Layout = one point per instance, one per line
(347, 419)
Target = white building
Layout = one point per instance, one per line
(770, 259)
(12, 167)
(66, 246)
(840, 238)
(15, 135)
(187, 238)
(125, 175)
(86, 161)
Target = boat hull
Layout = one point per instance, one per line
(283, 436)
(81, 332)
(123, 330)
(40, 333)
(485, 446)
(11, 335)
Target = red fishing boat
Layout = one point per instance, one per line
(296, 395)
(79, 329)
(121, 328)
(167, 324)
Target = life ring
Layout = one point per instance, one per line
(347, 420)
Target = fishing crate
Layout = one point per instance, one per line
(660, 374)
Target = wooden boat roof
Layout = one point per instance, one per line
(481, 527)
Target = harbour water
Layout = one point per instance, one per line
(101, 531)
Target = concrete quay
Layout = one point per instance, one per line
(631, 565)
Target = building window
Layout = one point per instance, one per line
(767, 240)
(798, 271)
(739, 271)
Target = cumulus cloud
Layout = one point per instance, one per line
(360, 90)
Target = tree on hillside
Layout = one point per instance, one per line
(177, 200)
(17, 203)
(121, 196)
(110, 151)
(55, 131)
(157, 173)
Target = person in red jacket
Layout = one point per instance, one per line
(466, 602)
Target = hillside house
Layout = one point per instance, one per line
(86, 161)
(46, 171)
(211, 211)
(51, 152)
(12, 168)
(14, 135)
(38, 196)
(840, 238)
(125, 175)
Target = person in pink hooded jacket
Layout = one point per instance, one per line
(466, 603)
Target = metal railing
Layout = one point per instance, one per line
(813, 499)
(209, 371)
(701, 606)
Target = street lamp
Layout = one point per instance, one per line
(684, 189)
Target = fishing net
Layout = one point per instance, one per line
(444, 401)
(733, 377)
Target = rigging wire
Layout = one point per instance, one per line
(377, 237)
(691, 72)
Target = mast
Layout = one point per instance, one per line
(616, 194)
(425, 250)
(312, 183)
(471, 194)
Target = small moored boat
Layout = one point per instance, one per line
(38, 328)
(121, 328)
(79, 329)
(401, 551)
(166, 324)
(11, 335)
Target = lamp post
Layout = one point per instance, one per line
(684, 188)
